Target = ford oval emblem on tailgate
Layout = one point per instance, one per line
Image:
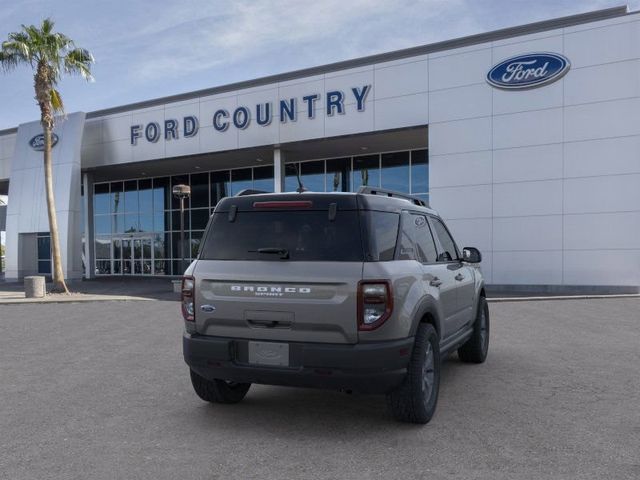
(207, 308)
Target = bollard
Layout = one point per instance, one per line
(34, 287)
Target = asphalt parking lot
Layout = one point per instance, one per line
(99, 390)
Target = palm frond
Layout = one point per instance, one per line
(9, 60)
(78, 61)
(47, 26)
(56, 101)
(18, 48)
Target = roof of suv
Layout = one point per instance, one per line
(321, 201)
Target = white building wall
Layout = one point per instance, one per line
(7, 145)
(561, 205)
(27, 208)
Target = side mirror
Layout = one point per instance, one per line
(471, 255)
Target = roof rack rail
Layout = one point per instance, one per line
(249, 191)
(391, 193)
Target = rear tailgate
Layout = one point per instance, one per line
(284, 301)
(281, 267)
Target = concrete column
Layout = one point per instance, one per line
(87, 185)
(278, 170)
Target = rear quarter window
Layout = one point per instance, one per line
(381, 234)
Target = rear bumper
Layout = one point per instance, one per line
(367, 367)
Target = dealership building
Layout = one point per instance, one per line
(526, 140)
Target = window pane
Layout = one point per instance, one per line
(117, 249)
(117, 197)
(219, 186)
(196, 237)
(450, 252)
(175, 220)
(338, 177)
(395, 171)
(240, 180)
(102, 224)
(366, 171)
(131, 223)
(420, 171)
(200, 190)
(176, 252)
(103, 267)
(290, 177)
(161, 221)
(179, 267)
(161, 267)
(101, 198)
(137, 249)
(103, 249)
(161, 194)
(44, 266)
(313, 175)
(382, 236)
(263, 178)
(44, 248)
(179, 180)
(159, 250)
(306, 235)
(145, 195)
(127, 244)
(131, 203)
(146, 222)
(199, 218)
(117, 223)
(417, 242)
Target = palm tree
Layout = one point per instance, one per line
(50, 55)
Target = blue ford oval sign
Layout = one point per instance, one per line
(37, 142)
(528, 71)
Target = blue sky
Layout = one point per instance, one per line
(146, 49)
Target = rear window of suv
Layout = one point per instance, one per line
(302, 235)
(284, 235)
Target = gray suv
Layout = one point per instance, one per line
(363, 292)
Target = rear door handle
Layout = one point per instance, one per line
(435, 282)
(459, 277)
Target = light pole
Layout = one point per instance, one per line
(181, 192)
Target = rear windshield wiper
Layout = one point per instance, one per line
(283, 252)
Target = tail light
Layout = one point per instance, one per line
(187, 298)
(375, 303)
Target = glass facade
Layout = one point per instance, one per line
(137, 222)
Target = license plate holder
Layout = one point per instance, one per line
(269, 353)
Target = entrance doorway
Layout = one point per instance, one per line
(133, 255)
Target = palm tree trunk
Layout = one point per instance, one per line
(59, 284)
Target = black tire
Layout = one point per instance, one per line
(415, 400)
(218, 391)
(476, 348)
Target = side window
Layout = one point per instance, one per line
(449, 250)
(416, 240)
(383, 228)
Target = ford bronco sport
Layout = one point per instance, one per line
(363, 292)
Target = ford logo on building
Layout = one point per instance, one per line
(37, 142)
(528, 71)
